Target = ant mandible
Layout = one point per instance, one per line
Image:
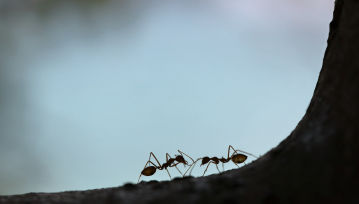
(170, 162)
(235, 157)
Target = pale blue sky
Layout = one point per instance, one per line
(105, 86)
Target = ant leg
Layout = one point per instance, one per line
(218, 168)
(139, 178)
(149, 161)
(238, 150)
(234, 151)
(175, 165)
(168, 173)
(179, 171)
(194, 166)
(141, 172)
(157, 167)
(151, 154)
(144, 168)
(207, 167)
(230, 146)
(169, 157)
(182, 153)
(229, 149)
(247, 153)
(191, 167)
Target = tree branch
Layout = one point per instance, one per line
(316, 163)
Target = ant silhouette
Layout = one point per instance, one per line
(170, 162)
(235, 157)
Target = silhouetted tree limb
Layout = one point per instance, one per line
(316, 163)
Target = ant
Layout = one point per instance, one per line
(235, 157)
(170, 162)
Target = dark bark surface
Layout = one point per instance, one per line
(318, 162)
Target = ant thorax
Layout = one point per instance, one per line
(215, 160)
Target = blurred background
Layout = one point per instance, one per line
(89, 88)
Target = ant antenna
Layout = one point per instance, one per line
(238, 150)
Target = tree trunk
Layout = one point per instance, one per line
(316, 163)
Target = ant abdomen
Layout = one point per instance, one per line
(148, 171)
(239, 158)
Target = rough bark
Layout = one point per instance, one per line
(316, 163)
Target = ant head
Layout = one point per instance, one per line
(205, 160)
(148, 171)
(180, 159)
(239, 158)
